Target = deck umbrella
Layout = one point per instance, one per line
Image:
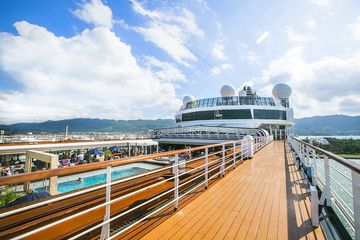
(94, 152)
(114, 148)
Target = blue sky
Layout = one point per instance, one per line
(119, 59)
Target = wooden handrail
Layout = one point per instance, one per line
(20, 178)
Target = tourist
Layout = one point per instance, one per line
(81, 157)
(80, 180)
(73, 159)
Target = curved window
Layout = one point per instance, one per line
(269, 114)
(217, 114)
(225, 101)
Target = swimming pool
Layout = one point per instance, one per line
(124, 171)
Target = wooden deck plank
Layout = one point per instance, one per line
(202, 216)
(241, 209)
(254, 226)
(250, 202)
(229, 221)
(199, 223)
(218, 224)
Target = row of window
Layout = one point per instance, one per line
(225, 101)
(231, 114)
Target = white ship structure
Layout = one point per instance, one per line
(232, 115)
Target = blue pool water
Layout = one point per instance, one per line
(95, 179)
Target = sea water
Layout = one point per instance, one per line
(341, 184)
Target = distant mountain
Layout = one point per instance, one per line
(318, 125)
(90, 125)
(328, 125)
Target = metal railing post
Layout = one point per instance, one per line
(325, 195)
(302, 152)
(234, 157)
(355, 177)
(314, 206)
(206, 167)
(223, 161)
(105, 230)
(313, 168)
(307, 155)
(176, 182)
(242, 153)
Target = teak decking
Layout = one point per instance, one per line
(263, 198)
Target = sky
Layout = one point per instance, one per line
(134, 59)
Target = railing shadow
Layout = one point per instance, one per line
(305, 228)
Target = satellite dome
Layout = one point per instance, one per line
(188, 98)
(242, 93)
(227, 91)
(281, 91)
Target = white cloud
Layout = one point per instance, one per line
(355, 29)
(177, 26)
(320, 3)
(164, 41)
(215, 71)
(310, 24)
(95, 12)
(92, 74)
(251, 57)
(262, 37)
(296, 37)
(226, 66)
(166, 72)
(218, 51)
(218, 70)
(319, 87)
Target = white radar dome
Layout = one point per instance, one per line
(227, 91)
(281, 91)
(188, 98)
(242, 93)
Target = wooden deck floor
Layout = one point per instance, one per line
(264, 198)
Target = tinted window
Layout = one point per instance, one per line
(219, 114)
(269, 114)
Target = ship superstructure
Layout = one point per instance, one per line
(244, 111)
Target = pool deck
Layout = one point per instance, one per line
(263, 198)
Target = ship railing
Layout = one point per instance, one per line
(215, 164)
(337, 178)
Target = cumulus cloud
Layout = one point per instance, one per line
(92, 74)
(320, 86)
(177, 26)
(262, 37)
(355, 29)
(218, 51)
(163, 40)
(167, 72)
(95, 12)
(295, 36)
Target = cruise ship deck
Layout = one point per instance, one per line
(264, 198)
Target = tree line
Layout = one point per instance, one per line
(341, 146)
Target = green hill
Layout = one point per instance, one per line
(90, 125)
(328, 125)
(317, 125)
